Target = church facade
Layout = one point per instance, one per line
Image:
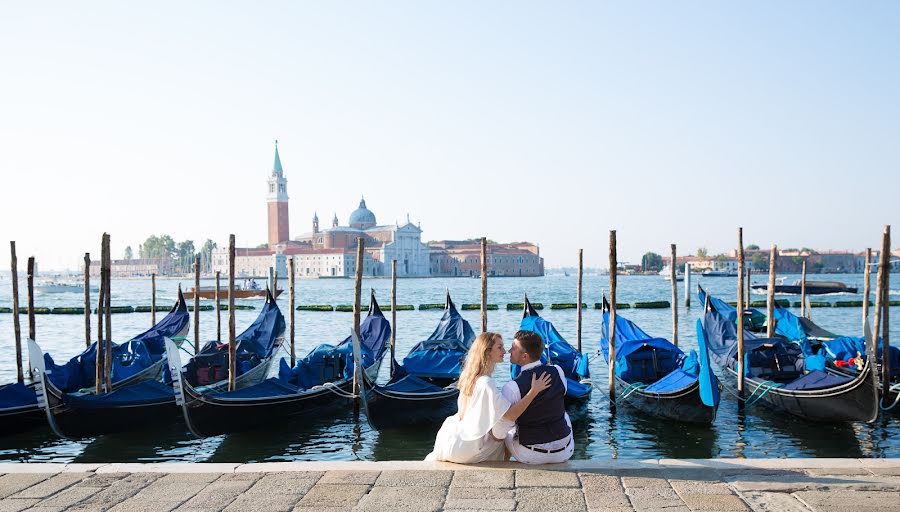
(329, 252)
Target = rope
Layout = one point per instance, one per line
(769, 385)
(894, 389)
(629, 390)
(334, 388)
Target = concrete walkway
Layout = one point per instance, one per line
(846, 485)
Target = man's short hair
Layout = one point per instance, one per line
(532, 343)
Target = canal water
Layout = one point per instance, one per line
(345, 435)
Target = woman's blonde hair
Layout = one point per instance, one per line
(478, 361)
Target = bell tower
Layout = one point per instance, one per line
(277, 203)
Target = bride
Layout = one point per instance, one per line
(476, 432)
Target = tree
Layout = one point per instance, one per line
(702, 252)
(752, 247)
(758, 261)
(206, 253)
(129, 253)
(651, 261)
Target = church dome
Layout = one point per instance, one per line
(362, 217)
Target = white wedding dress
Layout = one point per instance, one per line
(469, 440)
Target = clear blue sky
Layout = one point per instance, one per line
(551, 122)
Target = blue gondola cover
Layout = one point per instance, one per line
(16, 395)
(443, 353)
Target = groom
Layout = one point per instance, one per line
(543, 433)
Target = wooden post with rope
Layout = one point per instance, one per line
(107, 374)
(613, 267)
(393, 314)
(87, 299)
(291, 299)
(803, 311)
(740, 318)
(357, 303)
(17, 329)
(867, 289)
(153, 299)
(232, 344)
(197, 304)
(101, 297)
(218, 308)
(770, 299)
(885, 270)
(484, 270)
(674, 276)
(30, 284)
(578, 297)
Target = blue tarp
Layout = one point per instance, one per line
(16, 395)
(268, 388)
(442, 354)
(129, 358)
(327, 363)
(412, 384)
(254, 345)
(143, 393)
(573, 363)
(678, 379)
(639, 357)
(816, 380)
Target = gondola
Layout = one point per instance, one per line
(323, 378)
(137, 405)
(422, 390)
(19, 409)
(558, 351)
(775, 374)
(658, 378)
(812, 288)
(840, 351)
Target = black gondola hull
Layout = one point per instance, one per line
(387, 409)
(19, 420)
(80, 423)
(684, 405)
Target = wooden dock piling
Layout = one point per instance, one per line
(197, 303)
(98, 348)
(484, 267)
(885, 261)
(394, 314)
(87, 299)
(867, 289)
(17, 328)
(674, 277)
(107, 321)
(740, 318)
(357, 303)
(613, 267)
(232, 344)
(578, 296)
(153, 299)
(687, 285)
(30, 286)
(803, 311)
(770, 299)
(219, 308)
(291, 277)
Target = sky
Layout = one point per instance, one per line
(553, 122)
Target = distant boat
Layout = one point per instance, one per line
(667, 274)
(61, 287)
(720, 273)
(209, 292)
(812, 288)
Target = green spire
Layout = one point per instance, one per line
(277, 166)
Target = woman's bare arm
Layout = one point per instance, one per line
(537, 385)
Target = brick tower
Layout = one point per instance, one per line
(277, 202)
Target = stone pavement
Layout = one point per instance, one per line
(651, 485)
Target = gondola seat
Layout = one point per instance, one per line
(816, 380)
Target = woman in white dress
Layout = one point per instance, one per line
(476, 432)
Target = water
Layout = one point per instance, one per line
(342, 436)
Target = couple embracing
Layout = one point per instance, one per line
(526, 421)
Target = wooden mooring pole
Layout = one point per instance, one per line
(674, 277)
(885, 262)
(867, 289)
(87, 299)
(219, 308)
(153, 299)
(687, 285)
(803, 311)
(30, 286)
(393, 314)
(770, 299)
(197, 304)
(357, 302)
(613, 267)
(98, 348)
(484, 270)
(291, 298)
(107, 321)
(578, 296)
(232, 344)
(740, 318)
(17, 328)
